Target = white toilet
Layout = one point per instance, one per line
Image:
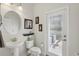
(32, 51)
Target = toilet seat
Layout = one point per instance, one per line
(35, 51)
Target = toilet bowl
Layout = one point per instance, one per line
(31, 49)
(34, 51)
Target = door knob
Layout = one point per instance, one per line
(64, 40)
(64, 36)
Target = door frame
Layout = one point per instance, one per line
(46, 43)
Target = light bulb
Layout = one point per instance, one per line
(20, 8)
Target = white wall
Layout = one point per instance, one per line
(26, 12)
(41, 10)
(41, 37)
(74, 29)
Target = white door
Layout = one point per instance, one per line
(57, 32)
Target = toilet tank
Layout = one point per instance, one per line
(29, 44)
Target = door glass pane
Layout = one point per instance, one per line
(55, 34)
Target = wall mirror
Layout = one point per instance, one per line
(12, 22)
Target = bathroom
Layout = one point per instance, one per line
(30, 21)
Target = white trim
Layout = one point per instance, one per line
(61, 8)
(68, 10)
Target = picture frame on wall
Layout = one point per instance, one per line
(40, 27)
(37, 20)
(28, 24)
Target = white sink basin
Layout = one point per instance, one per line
(14, 44)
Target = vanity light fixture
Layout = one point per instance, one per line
(19, 5)
(8, 4)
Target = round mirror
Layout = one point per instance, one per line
(12, 22)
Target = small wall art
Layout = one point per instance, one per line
(40, 27)
(37, 20)
(28, 24)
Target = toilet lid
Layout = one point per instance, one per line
(35, 49)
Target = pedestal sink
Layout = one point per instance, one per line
(12, 24)
(14, 44)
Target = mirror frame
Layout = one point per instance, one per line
(14, 16)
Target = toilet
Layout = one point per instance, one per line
(31, 50)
